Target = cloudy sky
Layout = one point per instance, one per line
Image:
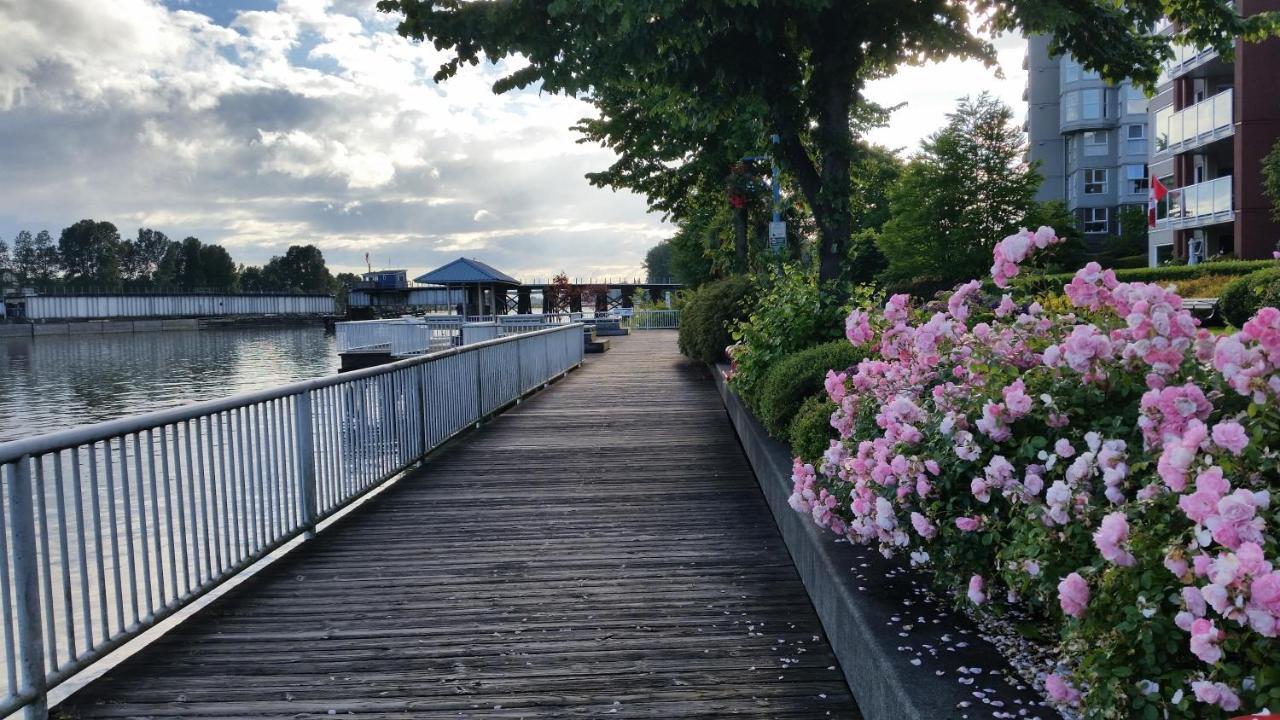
(261, 123)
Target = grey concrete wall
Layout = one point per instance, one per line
(1044, 139)
(864, 601)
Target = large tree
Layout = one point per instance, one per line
(968, 188)
(35, 259)
(679, 82)
(144, 256)
(657, 262)
(91, 253)
(300, 269)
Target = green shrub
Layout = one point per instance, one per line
(708, 315)
(792, 312)
(811, 432)
(1242, 298)
(1031, 285)
(798, 376)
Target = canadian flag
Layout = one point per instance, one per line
(1154, 195)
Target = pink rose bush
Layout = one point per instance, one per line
(1111, 467)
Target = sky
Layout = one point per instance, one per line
(258, 124)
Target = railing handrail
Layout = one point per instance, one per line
(96, 432)
(280, 461)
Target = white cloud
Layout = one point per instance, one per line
(312, 122)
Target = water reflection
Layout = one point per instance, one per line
(53, 383)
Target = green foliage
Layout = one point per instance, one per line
(790, 68)
(1271, 179)
(968, 188)
(300, 269)
(797, 376)
(810, 432)
(90, 252)
(1242, 298)
(657, 262)
(791, 312)
(35, 259)
(1031, 285)
(707, 315)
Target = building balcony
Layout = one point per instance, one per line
(1199, 205)
(1205, 122)
(1185, 59)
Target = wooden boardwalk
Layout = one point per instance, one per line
(602, 550)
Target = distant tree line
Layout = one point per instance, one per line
(91, 256)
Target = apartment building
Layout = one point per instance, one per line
(1088, 137)
(1213, 121)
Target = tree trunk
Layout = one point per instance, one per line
(740, 239)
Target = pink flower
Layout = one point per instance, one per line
(1204, 641)
(1060, 691)
(1216, 693)
(1112, 533)
(1230, 436)
(968, 524)
(1265, 592)
(1062, 448)
(923, 526)
(835, 385)
(976, 596)
(1073, 595)
(857, 328)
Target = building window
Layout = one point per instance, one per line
(1135, 102)
(1095, 142)
(1135, 179)
(1095, 220)
(1070, 106)
(1135, 142)
(1095, 181)
(1093, 104)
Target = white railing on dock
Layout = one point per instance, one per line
(655, 320)
(107, 529)
(362, 335)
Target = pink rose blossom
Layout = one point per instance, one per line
(1230, 436)
(1073, 595)
(975, 594)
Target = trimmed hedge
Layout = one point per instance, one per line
(708, 315)
(798, 376)
(811, 433)
(1037, 284)
(1242, 298)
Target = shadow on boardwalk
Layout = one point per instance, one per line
(600, 550)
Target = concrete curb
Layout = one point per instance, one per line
(900, 651)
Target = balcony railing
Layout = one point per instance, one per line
(1198, 125)
(1205, 203)
(1185, 59)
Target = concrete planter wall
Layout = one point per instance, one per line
(904, 654)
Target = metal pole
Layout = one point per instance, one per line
(776, 182)
(26, 581)
(306, 461)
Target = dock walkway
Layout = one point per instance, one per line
(601, 550)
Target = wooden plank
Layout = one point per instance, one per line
(599, 550)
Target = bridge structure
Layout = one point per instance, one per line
(501, 530)
(469, 287)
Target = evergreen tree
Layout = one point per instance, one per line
(967, 189)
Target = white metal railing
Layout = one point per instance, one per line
(655, 320)
(1208, 120)
(362, 334)
(1197, 205)
(107, 529)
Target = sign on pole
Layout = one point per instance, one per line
(777, 235)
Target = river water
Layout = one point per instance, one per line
(53, 383)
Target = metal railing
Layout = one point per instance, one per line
(655, 320)
(107, 529)
(1208, 120)
(362, 334)
(1197, 205)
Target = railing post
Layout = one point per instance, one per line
(26, 582)
(306, 461)
(479, 389)
(520, 390)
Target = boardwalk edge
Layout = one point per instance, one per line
(859, 626)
